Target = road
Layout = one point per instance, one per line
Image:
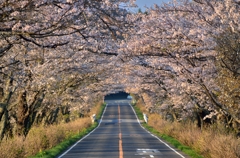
(119, 135)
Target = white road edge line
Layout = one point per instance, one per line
(84, 136)
(156, 136)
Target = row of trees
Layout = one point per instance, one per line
(52, 54)
(182, 58)
(190, 52)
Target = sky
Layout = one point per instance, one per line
(149, 3)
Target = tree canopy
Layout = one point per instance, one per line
(181, 58)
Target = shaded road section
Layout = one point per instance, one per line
(120, 135)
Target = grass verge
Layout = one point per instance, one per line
(174, 142)
(64, 145)
(49, 141)
(55, 151)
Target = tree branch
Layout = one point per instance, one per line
(43, 46)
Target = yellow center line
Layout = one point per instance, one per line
(120, 135)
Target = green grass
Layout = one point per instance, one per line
(138, 112)
(101, 111)
(60, 148)
(174, 142)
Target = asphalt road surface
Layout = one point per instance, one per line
(120, 135)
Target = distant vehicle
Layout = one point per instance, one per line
(129, 97)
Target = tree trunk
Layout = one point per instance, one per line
(22, 114)
(26, 114)
(219, 105)
(3, 120)
(4, 102)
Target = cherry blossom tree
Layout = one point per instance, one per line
(184, 35)
(50, 55)
(58, 56)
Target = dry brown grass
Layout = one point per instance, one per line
(96, 109)
(41, 138)
(141, 106)
(210, 142)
